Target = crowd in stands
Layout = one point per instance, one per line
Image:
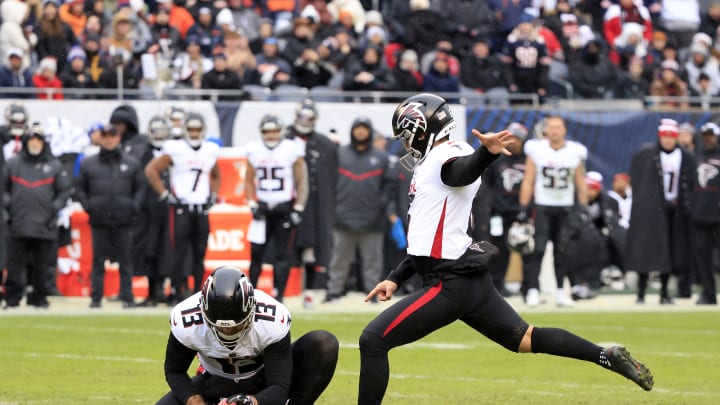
(626, 49)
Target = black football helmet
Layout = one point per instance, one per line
(158, 131)
(305, 116)
(419, 121)
(227, 302)
(17, 119)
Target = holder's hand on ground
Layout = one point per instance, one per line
(196, 400)
(384, 291)
(495, 142)
(238, 399)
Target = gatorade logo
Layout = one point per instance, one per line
(223, 240)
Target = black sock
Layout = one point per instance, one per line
(560, 342)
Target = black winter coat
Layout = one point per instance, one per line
(484, 74)
(649, 247)
(71, 80)
(110, 188)
(321, 157)
(707, 189)
(227, 80)
(36, 188)
(423, 30)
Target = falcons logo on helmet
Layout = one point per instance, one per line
(412, 118)
(247, 291)
(705, 173)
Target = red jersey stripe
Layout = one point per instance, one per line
(436, 251)
(424, 299)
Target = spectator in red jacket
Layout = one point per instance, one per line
(46, 77)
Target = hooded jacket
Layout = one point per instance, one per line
(36, 188)
(133, 143)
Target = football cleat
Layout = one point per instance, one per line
(532, 298)
(563, 301)
(624, 364)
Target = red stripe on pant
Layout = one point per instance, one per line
(424, 299)
(171, 225)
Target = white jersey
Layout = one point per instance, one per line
(439, 215)
(274, 179)
(190, 169)
(670, 163)
(555, 171)
(272, 324)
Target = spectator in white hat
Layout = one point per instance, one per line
(45, 77)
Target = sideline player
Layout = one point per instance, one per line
(456, 282)
(194, 185)
(554, 175)
(241, 337)
(276, 187)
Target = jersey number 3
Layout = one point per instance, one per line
(557, 178)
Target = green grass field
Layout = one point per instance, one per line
(117, 359)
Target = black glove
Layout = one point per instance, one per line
(523, 215)
(259, 209)
(212, 200)
(295, 217)
(239, 399)
(583, 212)
(168, 198)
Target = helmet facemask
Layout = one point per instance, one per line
(229, 332)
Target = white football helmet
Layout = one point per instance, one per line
(194, 129)
(158, 131)
(521, 238)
